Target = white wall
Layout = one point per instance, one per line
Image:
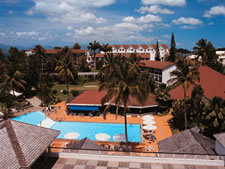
(220, 149)
(166, 73)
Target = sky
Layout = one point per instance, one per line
(64, 22)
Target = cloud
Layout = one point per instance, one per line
(164, 2)
(40, 36)
(187, 27)
(117, 33)
(143, 19)
(69, 11)
(9, 1)
(155, 9)
(187, 21)
(215, 10)
(10, 12)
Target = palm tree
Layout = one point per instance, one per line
(40, 53)
(66, 69)
(7, 113)
(124, 83)
(105, 48)
(215, 115)
(206, 51)
(15, 79)
(186, 74)
(93, 47)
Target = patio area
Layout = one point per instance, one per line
(161, 132)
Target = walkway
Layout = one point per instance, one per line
(63, 163)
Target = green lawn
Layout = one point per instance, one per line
(85, 86)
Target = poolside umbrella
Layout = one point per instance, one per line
(147, 117)
(71, 135)
(102, 137)
(119, 137)
(149, 127)
(148, 122)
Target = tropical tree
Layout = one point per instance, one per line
(214, 116)
(207, 53)
(123, 84)
(6, 112)
(76, 46)
(15, 79)
(93, 47)
(40, 54)
(185, 75)
(157, 54)
(172, 55)
(66, 69)
(105, 48)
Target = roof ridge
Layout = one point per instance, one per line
(15, 144)
(193, 134)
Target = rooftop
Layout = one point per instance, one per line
(221, 138)
(156, 64)
(188, 141)
(211, 81)
(93, 97)
(21, 144)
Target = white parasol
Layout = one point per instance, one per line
(71, 135)
(148, 122)
(147, 117)
(119, 137)
(149, 127)
(102, 137)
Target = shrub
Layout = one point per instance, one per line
(75, 93)
(65, 91)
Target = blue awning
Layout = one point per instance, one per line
(84, 108)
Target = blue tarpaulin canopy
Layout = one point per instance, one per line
(84, 108)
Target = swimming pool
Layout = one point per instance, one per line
(84, 129)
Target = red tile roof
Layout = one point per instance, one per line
(153, 46)
(144, 46)
(156, 64)
(126, 46)
(134, 46)
(164, 46)
(79, 51)
(116, 46)
(212, 82)
(127, 55)
(93, 98)
(52, 51)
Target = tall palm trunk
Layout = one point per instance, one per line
(185, 110)
(67, 86)
(125, 123)
(94, 60)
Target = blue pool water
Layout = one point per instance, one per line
(84, 129)
(31, 118)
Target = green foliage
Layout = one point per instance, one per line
(94, 47)
(214, 117)
(65, 92)
(157, 54)
(105, 48)
(163, 99)
(7, 113)
(66, 69)
(75, 93)
(172, 56)
(122, 79)
(207, 54)
(186, 74)
(76, 46)
(83, 66)
(99, 64)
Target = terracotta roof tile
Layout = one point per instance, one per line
(93, 97)
(127, 55)
(164, 46)
(79, 51)
(212, 82)
(153, 46)
(144, 46)
(156, 64)
(52, 51)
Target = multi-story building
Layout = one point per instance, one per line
(159, 70)
(143, 48)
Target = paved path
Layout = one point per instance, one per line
(63, 163)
